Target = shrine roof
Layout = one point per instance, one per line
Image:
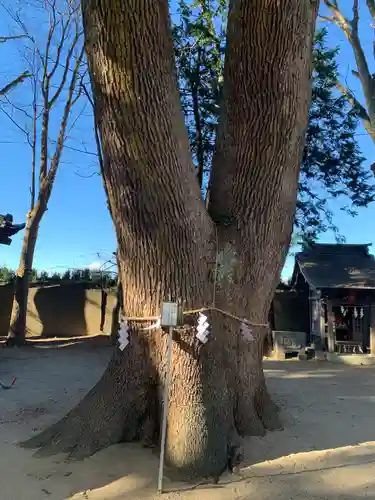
(336, 266)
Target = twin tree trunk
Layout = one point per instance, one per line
(168, 243)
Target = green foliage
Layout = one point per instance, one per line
(86, 275)
(55, 278)
(6, 275)
(43, 276)
(76, 275)
(105, 278)
(332, 165)
(66, 275)
(199, 38)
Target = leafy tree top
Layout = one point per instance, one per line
(332, 167)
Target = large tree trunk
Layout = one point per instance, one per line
(17, 329)
(254, 179)
(168, 243)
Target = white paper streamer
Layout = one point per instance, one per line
(202, 328)
(246, 331)
(123, 334)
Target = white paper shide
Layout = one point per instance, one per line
(123, 334)
(246, 331)
(202, 328)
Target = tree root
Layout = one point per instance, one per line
(110, 413)
(271, 419)
(268, 410)
(203, 425)
(123, 404)
(248, 422)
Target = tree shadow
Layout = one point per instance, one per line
(61, 310)
(6, 299)
(315, 457)
(331, 475)
(310, 394)
(323, 406)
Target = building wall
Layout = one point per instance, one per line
(66, 310)
(291, 311)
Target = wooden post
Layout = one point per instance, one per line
(322, 321)
(372, 330)
(165, 412)
(315, 311)
(331, 334)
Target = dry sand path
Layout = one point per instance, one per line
(327, 450)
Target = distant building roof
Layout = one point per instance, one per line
(336, 266)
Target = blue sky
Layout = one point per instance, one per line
(77, 230)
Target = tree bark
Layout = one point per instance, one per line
(167, 242)
(17, 329)
(253, 185)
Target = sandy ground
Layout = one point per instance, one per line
(327, 450)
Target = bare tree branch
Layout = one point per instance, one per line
(61, 22)
(10, 117)
(33, 144)
(329, 19)
(355, 73)
(89, 176)
(350, 29)
(371, 8)
(18, 108)
(362, 113)
(11, 85)
(64, 121)
(66, 70)
(355, 18)
(45, 58)
(65, 31)
(4, 39)
(85, 151)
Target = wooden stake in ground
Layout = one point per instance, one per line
(168, 242)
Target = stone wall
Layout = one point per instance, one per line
(65, 310)
(6, 296)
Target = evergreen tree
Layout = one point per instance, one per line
(332, 165)
(199, 38)
(55, 278)
(6, 274)
(76, 275)
(67, 275)
(44, 276)
(86, 275)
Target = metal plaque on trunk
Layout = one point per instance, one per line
(169, 314)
